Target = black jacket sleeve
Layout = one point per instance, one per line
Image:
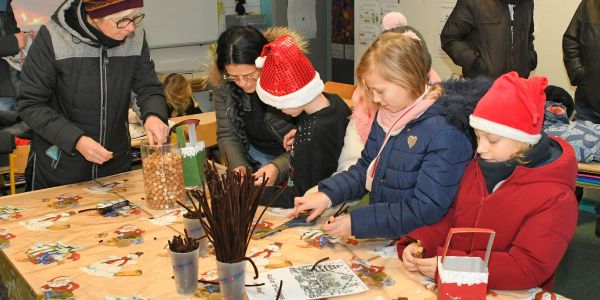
(149, 90)
(572, 48)
(459, 24)
(9, 45)
(532, 53)
(38, 81)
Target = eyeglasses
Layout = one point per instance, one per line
(126, 21)
(251, 77)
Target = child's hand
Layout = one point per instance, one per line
(409, 255)
(341, 226)
(427, 266)
(317, 202)
(271, 172)
(288, 139)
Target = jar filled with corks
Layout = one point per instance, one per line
(163, 176)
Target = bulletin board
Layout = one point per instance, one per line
(180, 22)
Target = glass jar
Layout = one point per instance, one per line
(163, 176)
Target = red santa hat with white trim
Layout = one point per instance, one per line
(288, 79)
(512, 108)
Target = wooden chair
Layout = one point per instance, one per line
(343, 90)
(17, 162)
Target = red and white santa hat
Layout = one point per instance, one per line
(288, 79)
(512, 108)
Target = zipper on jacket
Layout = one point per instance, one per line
(103, 103)
(230, 122)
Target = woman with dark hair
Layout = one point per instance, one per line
(249, 132)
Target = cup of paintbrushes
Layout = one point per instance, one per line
(232, 280)
(193, 226)
(184, 259)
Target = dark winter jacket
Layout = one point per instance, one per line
(413, 186)
(8, 47)
(74, 86)
(534, 215)
(581, 53)
(477, 37)
(317, 147)
(232, 138)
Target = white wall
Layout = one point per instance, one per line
(551, 19)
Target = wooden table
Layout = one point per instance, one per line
(94, 233)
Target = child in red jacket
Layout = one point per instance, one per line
(520, 184)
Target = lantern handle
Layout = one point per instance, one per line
(470, 230)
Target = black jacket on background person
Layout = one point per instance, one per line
(477, 37)
(581, 53)
(8, 47)
(78, 82)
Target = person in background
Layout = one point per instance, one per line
(12, 40)
(77, 82)
(581, 55)
(491, 37)
(321, 118)
(414, 156)
(521, 185)
(180, 99)
(249, 132)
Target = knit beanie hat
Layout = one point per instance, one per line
(102, 8)
(512, 108)
(393, 19)
(288, 79)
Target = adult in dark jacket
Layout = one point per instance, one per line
(249, 132)
(11, 41)
(77, 82)
(414, 176)
(491, 37)
(581, 54)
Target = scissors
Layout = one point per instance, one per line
(296, 222)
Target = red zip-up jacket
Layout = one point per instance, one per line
(534, 214)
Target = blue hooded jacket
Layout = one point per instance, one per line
(413, 186)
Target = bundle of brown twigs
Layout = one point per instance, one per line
(181, 244)
(228, 209)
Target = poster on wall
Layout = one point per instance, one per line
(369, 14)
(342, 27)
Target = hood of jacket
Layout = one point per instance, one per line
(215, 78)
(458, 102)
(72, 11)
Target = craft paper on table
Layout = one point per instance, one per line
(301, 16)
(328, 279)
(61, 287)
(133, 297)
(168, 218)
(47, 222)
(47, 253)
(317, 238)
(262, 257)
(371, 275)
(263, 226)
(66, 200)
(113, 266)
(127, 210)
(126, 235)
(8, 212)
(5, 237)
(115, 186)
(278, 211)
